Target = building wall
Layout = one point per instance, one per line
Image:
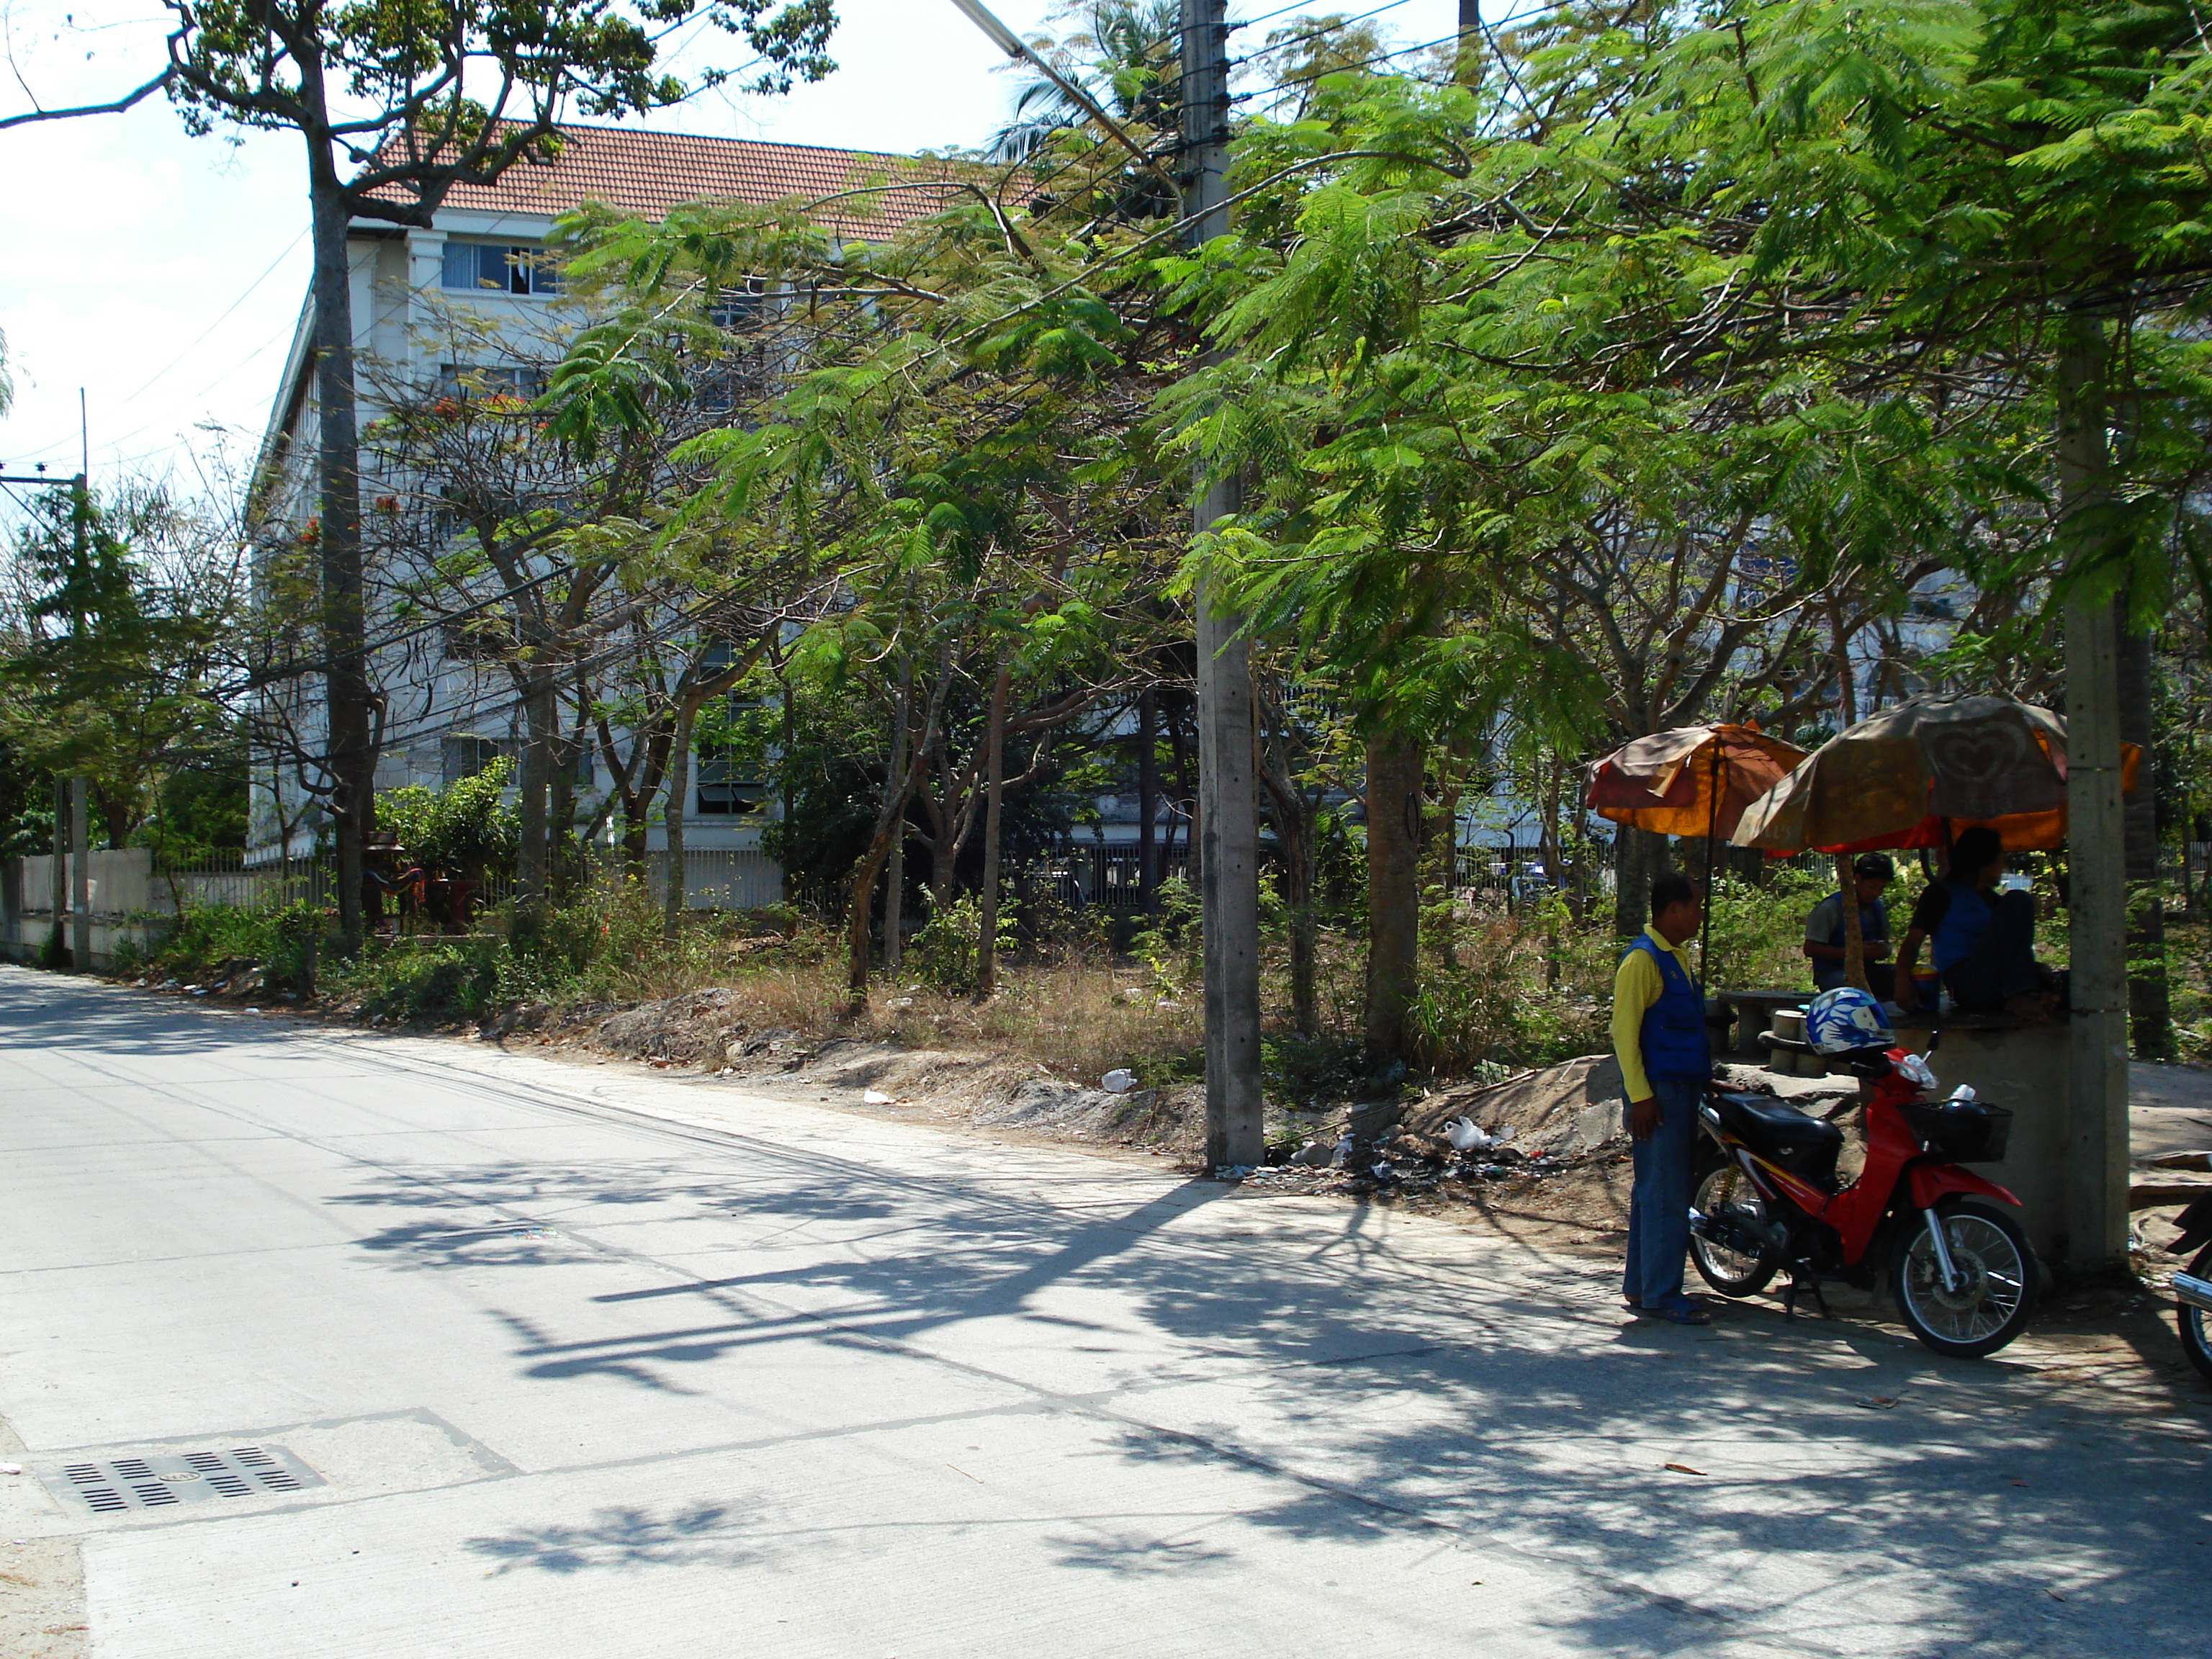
(404, 332)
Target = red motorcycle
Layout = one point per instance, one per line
(1767, 1200)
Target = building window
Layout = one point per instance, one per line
(495, 380)
(491, 267)
(463, 755)
(723, 791)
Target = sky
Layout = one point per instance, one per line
(162, 274)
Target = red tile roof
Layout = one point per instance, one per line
(647, 173)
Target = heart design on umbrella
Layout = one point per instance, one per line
(1987, 769)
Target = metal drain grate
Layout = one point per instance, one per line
(117, 1485)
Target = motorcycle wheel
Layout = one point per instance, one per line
(1992, 1306)
(1729, 1272)
(2195, 1324)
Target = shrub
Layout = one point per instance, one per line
(944, 954)
(468, 825)
(1169, 943)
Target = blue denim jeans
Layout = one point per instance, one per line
(1659, 1202)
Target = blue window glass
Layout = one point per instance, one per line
(482, 267)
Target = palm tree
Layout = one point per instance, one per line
(1127, 55)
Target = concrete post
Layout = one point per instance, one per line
(2097, 1213)
(2096, 833)
(80, 878)
(1228, 843)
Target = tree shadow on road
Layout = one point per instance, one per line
(702, 1535)
(1383, 1390)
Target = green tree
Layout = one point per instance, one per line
(398, 103)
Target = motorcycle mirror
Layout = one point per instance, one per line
(1935, 1041)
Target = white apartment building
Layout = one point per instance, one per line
(469, 299)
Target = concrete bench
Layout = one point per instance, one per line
(1752, 1012)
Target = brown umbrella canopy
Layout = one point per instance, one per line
(1668, 782)
(1916, 773)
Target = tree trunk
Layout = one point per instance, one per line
(534, 779)
(1394, 890)
(564, 856)
(1847, 883)
(679, 800)
(889, 819)
(1294, 838)
(1637, 856)
(1148, 800)
(895, 881)
(784, 767)
(994, 774)
(350, 746)
(2150, 1012)
(1446, 848)
(1548, 847)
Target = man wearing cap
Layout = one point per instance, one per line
(1823, 929)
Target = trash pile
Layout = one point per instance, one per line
(1516, 1133)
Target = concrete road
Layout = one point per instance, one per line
(591, 1363)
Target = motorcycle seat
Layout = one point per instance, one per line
(1803, 1144)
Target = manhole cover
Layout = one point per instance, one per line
(115, 1484)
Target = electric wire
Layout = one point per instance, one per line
(217, 323)
(1339, 69)
(1330, 28)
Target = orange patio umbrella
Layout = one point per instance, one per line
(1690, 780)
(1918, 773)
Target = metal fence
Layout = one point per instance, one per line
(1107, 878)
(714, 879)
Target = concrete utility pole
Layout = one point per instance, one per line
(2096, 843)
(80, 825)
(64, 842)
(1229, 859)
(80, 878)
(60, 894)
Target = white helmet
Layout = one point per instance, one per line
(1846, 1020)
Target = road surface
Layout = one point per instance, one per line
(593, 1362)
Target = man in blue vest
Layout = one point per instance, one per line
(1666, 1057)
(1983, 941)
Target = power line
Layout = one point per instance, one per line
(1326, 28)
(219, 321)
(1339, 69)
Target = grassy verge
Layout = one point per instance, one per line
(1501, 990)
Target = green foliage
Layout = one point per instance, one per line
(466, 826)
(283, 939)
(1169, 941)
(943, 954)
(1758, 932)
(1528, 988)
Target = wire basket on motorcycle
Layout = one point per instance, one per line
(1963, 1131)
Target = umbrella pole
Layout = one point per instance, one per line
(1712, 850)
(1847, 882)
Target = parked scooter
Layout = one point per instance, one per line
(1767, 1200)
(2192, 1288)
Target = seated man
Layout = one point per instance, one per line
(1824, 928)
(1983, 941)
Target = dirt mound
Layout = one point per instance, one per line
(1566, 1109)
(1172, 1118)
(697, 1028)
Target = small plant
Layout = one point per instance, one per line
(944, 955)
(1169, 944)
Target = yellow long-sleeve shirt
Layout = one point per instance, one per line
(1636, 987)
